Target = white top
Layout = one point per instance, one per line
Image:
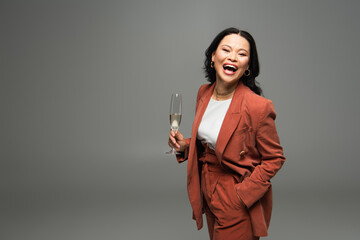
(211, 121)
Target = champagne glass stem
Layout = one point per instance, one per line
(172, 150)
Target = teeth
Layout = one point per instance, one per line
(230, 66)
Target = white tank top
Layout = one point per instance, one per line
(211, 121)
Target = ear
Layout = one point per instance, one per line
(213, 56)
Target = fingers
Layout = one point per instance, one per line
(172, 141)
(174, 145)
(177, 135)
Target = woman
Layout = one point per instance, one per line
(234, 149)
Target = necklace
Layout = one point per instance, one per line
(223, 95)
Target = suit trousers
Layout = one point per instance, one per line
(227, 217)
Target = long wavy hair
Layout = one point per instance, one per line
(254, 67)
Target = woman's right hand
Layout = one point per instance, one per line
(177, 141)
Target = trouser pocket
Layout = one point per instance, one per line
(224, 197)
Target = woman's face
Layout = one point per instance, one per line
(231, 58)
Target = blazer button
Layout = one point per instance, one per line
(242, 153)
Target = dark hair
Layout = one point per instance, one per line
(254, 67)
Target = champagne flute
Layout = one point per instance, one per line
(175, 115)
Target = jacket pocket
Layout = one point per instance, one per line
(241, 130)
(237, 147)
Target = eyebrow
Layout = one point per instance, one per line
(231, 47)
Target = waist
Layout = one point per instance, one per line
(210, 163)
(208, 158)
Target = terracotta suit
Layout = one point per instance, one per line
(247, 146)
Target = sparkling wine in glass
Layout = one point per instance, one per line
(175, 115)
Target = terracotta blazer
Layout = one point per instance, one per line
(247, 145)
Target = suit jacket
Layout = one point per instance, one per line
(248, 145)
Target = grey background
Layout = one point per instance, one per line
(85, 91)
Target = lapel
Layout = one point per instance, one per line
(192, 167)
(202, 105)
(231, 120)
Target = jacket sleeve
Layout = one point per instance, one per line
(184, 155)
(252, 188)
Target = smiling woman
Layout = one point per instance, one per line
(253, 70)
(234, 149)
(230, 60)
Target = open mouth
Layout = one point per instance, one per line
(230, 68)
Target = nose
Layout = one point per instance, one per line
(232, 56)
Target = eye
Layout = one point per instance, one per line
(242, 54)
(225, 50)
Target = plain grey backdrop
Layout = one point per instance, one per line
(85, 93)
